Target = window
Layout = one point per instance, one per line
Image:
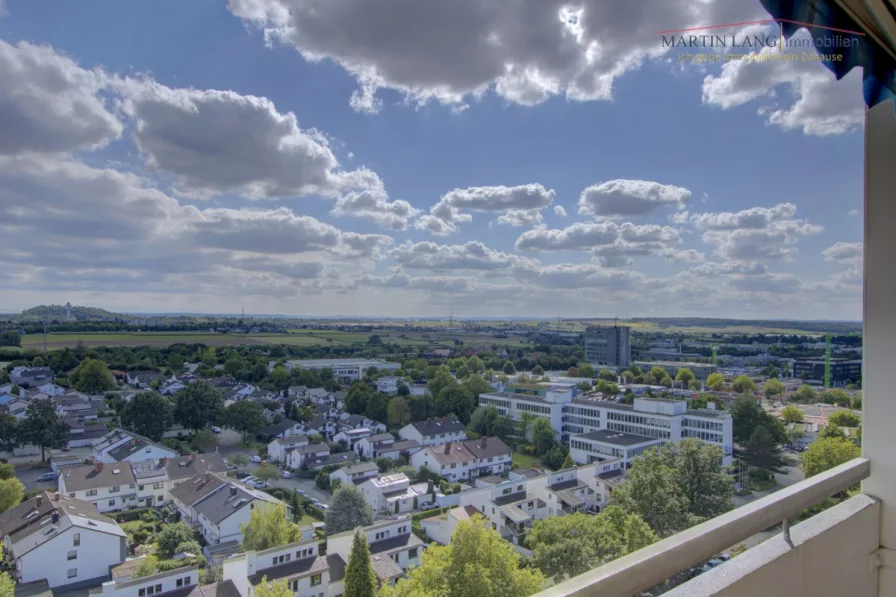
(412, 553)
(111, 502)
(141, 488)
(76, 539)
(91, 492)
(294, 585)
(115, 489)
(506, 491)
(453, 465)
(73, 554)
(158, 485)
(158, 588)
(180, 582)
(519, 487)
(72, 572)
(141, 593)
(315, 580)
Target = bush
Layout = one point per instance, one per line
(427, 514)
(132, 515)
(313, 511)
(192, 547)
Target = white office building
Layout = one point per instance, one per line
(668, 420)
(344, 369)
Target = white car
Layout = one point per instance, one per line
(249, 480)
(51, 476)
(259, 484)
(215, 429)
(256, 459)
(324, 506)
(286, 474)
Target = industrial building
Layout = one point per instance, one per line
(608, 346)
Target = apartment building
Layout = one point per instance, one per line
(434, 432)
(465, 460)
(393, 547)
(108, 487)
(600, 445)
(61, 540)
(343, 369)
(300, 564)
(668, 420)
(608, 346)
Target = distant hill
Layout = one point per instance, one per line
(57, 312)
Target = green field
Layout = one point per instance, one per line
(297, 337)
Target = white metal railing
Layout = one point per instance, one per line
(654, 564)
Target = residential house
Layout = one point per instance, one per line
(51, 389)
(320, 426)
(153, 483)
(393, 547)
(121, 445)
(355, 473)
(388, 384)
(182, 468)
(283, 429)
(300, 564)
(30, 377)
(352, 421)
(296, 391)
(368, 446)
(434, 432)
(493, 455)
(172, 387)
(392, 494)
(349, 437)
(60, 540)
(303, 456)
(319, 396)
(278, 447)
(465, 460)
(397, 449)
(441, 527)
(144, 379)
(109, 487)
(179, 582)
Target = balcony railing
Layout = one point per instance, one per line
(653, 565)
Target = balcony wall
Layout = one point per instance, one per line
(830, 557)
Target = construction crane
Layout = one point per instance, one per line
(827, 362)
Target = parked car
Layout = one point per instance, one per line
(51, 476)
(255, 458)
(301, 492)
(242, 475)
(427, 506)
(316, 502)
(215, 429)
(286, 474)
(259, 484)
(324, 506)
(725, 557)
(249, 480)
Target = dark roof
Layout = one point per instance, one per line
(354, 420)
(277, 428)
(361, 467)
(399, 446)
(220, 589)
(511, 498)
(294, 569)
(317, 423)
(194, 464)
(312, 448)
(136, 443)
(78, 478)
(37, 588)
(337, 567)
(451, 452)
(384, 568)
(616, 437)
(435, 426)
(487, 447)
(399, 543)
(381, 437)
(223, 502)
(191, 491)
(338, 458)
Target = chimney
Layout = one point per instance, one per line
(55, 516)
(39, 502)
(233, 490)
(56, 497)
(163, 460)
(484, 442)
(98, 466)
(208, 477)
(448, 448)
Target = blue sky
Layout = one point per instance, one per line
(411, 158)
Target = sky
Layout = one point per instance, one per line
(420, 158)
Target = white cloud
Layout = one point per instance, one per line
(560, 211)
(854, 212)
(844, 252)
(630, 198)
(374, 205)
(680, 217)
(218, 141)
(50, 104)
(451, 52)
(434, 284)
(595, 236)
(470, 256)
(517, 206)
(683, 255)
(821, 105)
(755, 233)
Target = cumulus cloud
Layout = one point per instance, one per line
(436, 284)
(560, 211)
(48, 103)
(630, 198)
(450, 52)
(517, 206)
(470, 256)
(579, 276)
(844, 252)
(821, 105)
(374, 205)
(608, 237)
(218, 141)
(755, 233)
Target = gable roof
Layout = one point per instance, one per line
(194, 464)
(361, 467)
(135, 444)
(401, 446)
(436, 426)
(381, 437)
(487, 447)
(190, 492)
(451, 453)
(90, 476)
(278, 428)
(295, 569)
(224, 501)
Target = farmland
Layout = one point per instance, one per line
(297, 337)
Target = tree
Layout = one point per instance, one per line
(148, 414)
(542, 435)
(457, 400)
(484, 419)
(11, 493)
(210, 357)
(792, 414)
(844, 418)
(685, 375)
(805, 394)
(708, 489)
(233, 365)
(441, 381)
(748, 415)
(93, 377)
(360, 580)
(566, 546)
(10, 338)
(191, 546)
(238, 460)
(149, 565)
(653, 493)
(377, 407)
(198, 405)
(830, 430)
(7, 471)
(7, 584)
(348, 510)
(277, 588)
(267, 472)
(568, 462)
(743, 385)
(554, 457)
(826, 453)
(268, 527)
(772, 388)
(715, 382)
(657, 374)
(245, 417)
(762, 451)
(398, 412)
(9, 433)
(475, 365)
(477, 563)
(537, 370)
(172, 535)
(476, 385)
(403, 389)
(508, 368)
(43, 427)
(836, 396)
(203, 439)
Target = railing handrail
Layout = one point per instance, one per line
(654, 564)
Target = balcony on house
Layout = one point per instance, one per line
(849, 549)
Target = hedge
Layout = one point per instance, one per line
(130, 515)
(421, 515)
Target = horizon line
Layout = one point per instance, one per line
(804, 24)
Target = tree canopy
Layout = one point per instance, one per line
(93, 377)
(245, 417)
(198, 405)
(477, 563)
(268, 527)
(715, 382)
(148, 414)
(42, 427)
(845, 418)
(792, 414)
(826, 453)
(360, 580)
(11, 493)
(805, 394)
(743, 385)
(772, 388)
(277, 588)
(348, 510)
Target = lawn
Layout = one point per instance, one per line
(158, 339)
(306, 521)
(525, 461)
